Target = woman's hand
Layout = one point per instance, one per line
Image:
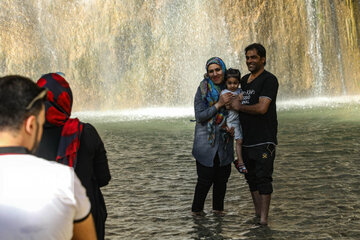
(235, 102)
(224, 99)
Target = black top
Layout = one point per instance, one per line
(259, 129)
(91, 167)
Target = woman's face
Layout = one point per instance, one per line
(215, 73)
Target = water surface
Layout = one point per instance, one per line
(316, 180)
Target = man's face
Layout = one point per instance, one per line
(253, 61)
(40, 120)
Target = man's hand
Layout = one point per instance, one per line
(235, 103)
(231, 131)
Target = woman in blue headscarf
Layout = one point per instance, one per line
(213, 145)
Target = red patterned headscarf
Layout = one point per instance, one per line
(58, 111)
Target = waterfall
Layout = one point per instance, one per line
(151, 53)
(337, 46)
(315, 50)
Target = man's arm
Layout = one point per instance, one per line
(84, 230)
(259, 108)
(84, 227)
(101, 165)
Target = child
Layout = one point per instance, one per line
(232, 81)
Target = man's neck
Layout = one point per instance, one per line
(255, 75)
(11, 139)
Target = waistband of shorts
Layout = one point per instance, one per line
(259, 144)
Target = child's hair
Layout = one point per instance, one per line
(233, 73)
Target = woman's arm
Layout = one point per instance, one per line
(101, 165)
(202, 112)
(96, 147)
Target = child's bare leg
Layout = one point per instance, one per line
(239, 153)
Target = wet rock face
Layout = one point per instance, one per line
(127, 54)
(308, 42)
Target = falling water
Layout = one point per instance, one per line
(123, 56)
(337, 47)
(133, 54)
(315, 50)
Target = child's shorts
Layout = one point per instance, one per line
(238, 130)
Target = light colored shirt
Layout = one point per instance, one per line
(39, 199)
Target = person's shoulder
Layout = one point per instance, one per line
(48, 164)
(245, 77)
(203, 86)
(50, 170)
(89, 132)
(88, 126)
(269, 75)
(203, 83)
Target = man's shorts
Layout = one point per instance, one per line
(237, 128)
(259, 161)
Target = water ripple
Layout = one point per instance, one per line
(316, 183)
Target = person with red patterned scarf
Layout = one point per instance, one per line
(74, 143)
(39, 199)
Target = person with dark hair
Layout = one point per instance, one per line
(213, 146)
(259, 121)
(261, 51)
(38, 199)
(76, 144)
(232, 82)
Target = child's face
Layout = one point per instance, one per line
(232, 84)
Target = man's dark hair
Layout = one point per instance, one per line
(233, 73)
(16, 93)
(259, 49)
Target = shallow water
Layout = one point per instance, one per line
(316, 180)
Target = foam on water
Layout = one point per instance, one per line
(188, 111)
(137, 114)
(326, 102)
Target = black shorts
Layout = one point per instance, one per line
(259, 162)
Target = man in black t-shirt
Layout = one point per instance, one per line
(259, 122)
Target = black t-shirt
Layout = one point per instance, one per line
(259, 129)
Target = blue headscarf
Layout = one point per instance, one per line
(218, 61)
(210, 91)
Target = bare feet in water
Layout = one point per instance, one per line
(217, 212)
(201, 213)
